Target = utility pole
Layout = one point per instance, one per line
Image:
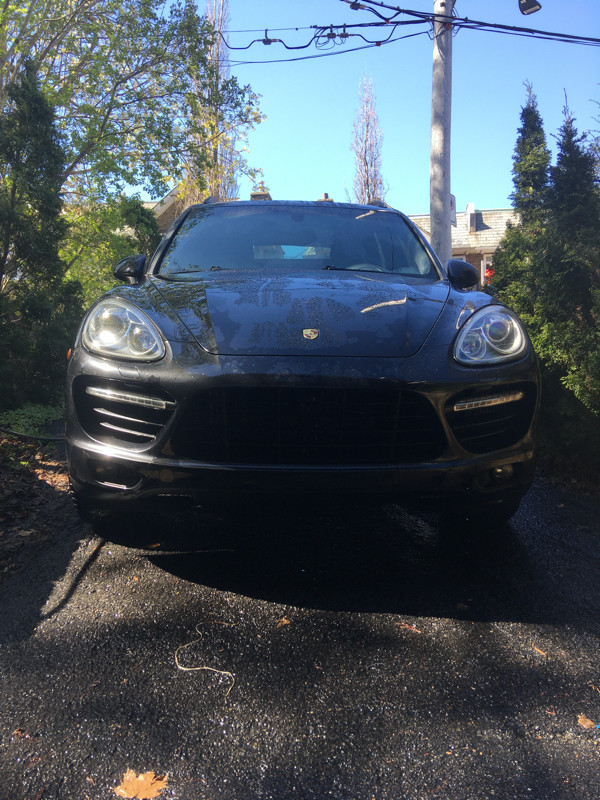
(441, 111)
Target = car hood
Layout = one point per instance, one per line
(298, 314)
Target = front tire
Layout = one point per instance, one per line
(86, 510)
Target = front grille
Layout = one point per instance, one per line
(488, 420)
(309, 426)
(120, 413)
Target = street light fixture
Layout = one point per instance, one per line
(529, 6)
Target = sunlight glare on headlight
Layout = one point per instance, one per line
(118, 329)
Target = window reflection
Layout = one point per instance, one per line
(274, 237)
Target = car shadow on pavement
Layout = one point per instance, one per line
(42, 539)
(362, 558)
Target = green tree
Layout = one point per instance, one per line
(516, 261)
(101, 234)
(38, 308)
(567, 321)
(531, 161)
(547, 269)
(547, 265)
(141, 225)
(220, 135)
(131, 83)
(125, 78)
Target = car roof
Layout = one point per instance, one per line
(375, 206)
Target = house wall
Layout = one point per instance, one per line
(476, 235)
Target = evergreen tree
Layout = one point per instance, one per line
(573, 197)
(568, 304)
(31, 165)
(516, 259)
(547, 269)
(531, 160)
(37, 307)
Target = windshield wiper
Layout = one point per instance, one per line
(355, 268)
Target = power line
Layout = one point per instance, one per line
(324, 35)
(331, 36)
(329, 53)
(465, 22)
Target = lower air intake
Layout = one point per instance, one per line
(309, 426)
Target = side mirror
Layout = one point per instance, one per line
(130, 270)
(461, 274)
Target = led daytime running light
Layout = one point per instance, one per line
(486, 402)
(126, 397)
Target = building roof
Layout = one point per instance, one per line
(476, 231)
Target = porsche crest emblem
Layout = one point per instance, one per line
(310, 333)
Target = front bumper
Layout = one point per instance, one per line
(444, 444)
(96, 475)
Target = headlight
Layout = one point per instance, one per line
(118, 329)
(492, 334)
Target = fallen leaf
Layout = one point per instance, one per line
(283, 621)
(144, 786)
(408, 627)
(537, 650)
(585, 722)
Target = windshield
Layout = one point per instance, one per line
(294, 236)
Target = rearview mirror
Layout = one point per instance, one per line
(130, 270)
(461, 274)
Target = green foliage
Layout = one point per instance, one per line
(530, 164)
(31, 167)
(101, 234)
(568, 317)
(31, 418)
(548, 269)
(569, 432)
(126, 79)
(94, 95)
(144, 235)
(38, 307)
(217, 156)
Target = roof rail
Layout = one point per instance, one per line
(211, 199)
(378, 203)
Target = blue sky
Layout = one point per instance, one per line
(303, 145)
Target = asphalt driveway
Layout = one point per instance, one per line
(306, 653)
